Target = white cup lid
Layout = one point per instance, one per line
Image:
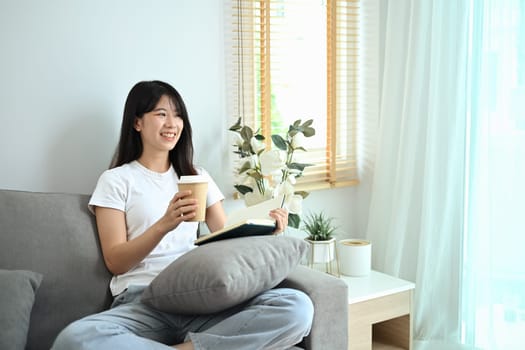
(189, 179)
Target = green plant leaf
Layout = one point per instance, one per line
(246, 166)
(280, 142)
(303, 194)
(246, 147)
(307, 123)
(259, 137)
(236, 126)
(256, 175)
(294, 220)
(243, 189)
(298, 166)
(246, 133)
(292, 132)
(308, 132)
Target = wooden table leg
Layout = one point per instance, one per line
(359, 336)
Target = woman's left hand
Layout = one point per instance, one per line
(281, 219)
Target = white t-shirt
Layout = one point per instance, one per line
(143, 195)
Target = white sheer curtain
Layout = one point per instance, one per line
(449, 181)
(415, 219)
(493, 312)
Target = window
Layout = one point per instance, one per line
(292, 60)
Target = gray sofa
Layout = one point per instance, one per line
(55, 235)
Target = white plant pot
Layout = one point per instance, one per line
(321, 251)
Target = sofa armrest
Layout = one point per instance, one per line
(330, 298)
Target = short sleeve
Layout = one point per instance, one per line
(214, 193)
(110, 192)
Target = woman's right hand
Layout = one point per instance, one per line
(181, 208)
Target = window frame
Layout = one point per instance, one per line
(250, 28)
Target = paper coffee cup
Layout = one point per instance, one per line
(198, 185)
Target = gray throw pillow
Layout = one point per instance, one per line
(17, 295)
(219, 275)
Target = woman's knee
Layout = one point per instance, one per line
(70, 337)
(84, 333)
(305, 308)
(299, 308)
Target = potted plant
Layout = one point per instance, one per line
(265, 173)
(320, 231)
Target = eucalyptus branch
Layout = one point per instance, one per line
(253, 184)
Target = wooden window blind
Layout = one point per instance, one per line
(290, 60)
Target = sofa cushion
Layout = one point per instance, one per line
(219, 275)
(54, 234)
(17, 295)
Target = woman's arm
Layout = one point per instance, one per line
(215, 217)
(120, 255)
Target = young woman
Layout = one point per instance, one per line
(142, 224)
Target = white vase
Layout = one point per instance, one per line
(321, 251)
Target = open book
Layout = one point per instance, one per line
(249, 221)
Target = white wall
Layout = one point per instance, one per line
(67, 66)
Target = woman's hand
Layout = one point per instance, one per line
(281, 219)
(181, 208)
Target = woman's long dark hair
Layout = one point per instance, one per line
(143, 98)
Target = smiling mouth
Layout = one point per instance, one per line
(168, 134)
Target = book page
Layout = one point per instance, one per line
(257, 211)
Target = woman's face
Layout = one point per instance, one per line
(161, 128)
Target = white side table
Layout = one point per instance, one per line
(379, 312)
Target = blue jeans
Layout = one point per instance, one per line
(275, 319)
